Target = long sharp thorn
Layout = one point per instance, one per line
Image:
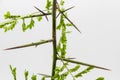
(41, 12)
(31, 44)
(67, 18)
(71, 23)
(66, 10)
(84, 64)
(45, 75)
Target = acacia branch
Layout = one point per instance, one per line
(31, 44)
(82, 63)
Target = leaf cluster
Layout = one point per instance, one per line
(48, 5)
(12, 21)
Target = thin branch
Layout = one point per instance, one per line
(31, 44)
(42, 12)
(31, 16)
(68, 19)
(82, 63)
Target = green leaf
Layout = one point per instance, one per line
(61, 23)
(39, 18)
(13, 25)
(26, 73)
(6, 23)
(68, 24)
(100, 78)
(43, 78)
(34, 77)
(13, 71)
(63, 67)
(5, 29)
(31, 24)
(75, 68)
(84, 72)
(62, 2)
(48, 5)
(59, 46)
(68, 31)
(7, 15)
(63, 76)
(10, 26)
(23, 25)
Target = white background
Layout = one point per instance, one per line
(99, 22)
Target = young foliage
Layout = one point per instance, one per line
(13, 71)
(75, 68)
(62, 2)
(13, 19)
(34, 77)
(48, 5)
(43, 78)
(29, 26)
(39, 18)
(26, 73)
(84, 72)
(9, 16)
(62, 45)
(100, 78)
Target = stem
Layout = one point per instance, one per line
(54, 38)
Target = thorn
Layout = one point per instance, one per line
(42, 13)
(65, 10)
(45, 75)
(31, 44)
(68, 18)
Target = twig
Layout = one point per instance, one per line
(30, 16)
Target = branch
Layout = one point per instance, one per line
(31, 16)
(82, 63)
(31, 44)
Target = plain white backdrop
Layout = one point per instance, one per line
(99, 43)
